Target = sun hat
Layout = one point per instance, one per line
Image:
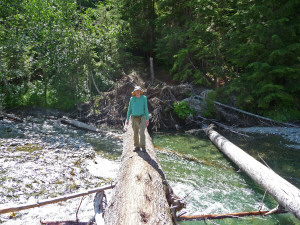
(137, 88)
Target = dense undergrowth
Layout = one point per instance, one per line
(57, 54)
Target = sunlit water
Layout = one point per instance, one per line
(212, 186)
(215, 187)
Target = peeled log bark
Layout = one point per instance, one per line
(78, 124)
(54, 200)
(286, 194)
(139, 196)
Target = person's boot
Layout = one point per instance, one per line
(136, 149)
(144, 149)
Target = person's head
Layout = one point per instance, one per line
(137, 92)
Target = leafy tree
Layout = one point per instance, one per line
(191, 39)
(265, 48)
(55, 53)
(51, 51)
(139, 35)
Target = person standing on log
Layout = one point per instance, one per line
(138, 110)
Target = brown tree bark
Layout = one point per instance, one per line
(286, 194)
(139, 196)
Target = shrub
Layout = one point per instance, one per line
(182, 109)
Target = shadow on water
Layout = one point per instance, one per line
(108, 148)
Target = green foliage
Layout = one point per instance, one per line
(182, 109)
(265, 48)
(255, 45)
(50, 51)
(139, 20)
(192, 39)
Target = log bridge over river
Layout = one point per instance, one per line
(142, 195)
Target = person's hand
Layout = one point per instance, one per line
(147, 123)
(127, 122)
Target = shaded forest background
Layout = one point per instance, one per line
(58, 53)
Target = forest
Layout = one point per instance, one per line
(58, 53)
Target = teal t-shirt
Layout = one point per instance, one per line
(138, 107)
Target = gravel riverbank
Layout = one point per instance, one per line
(44, 159)
(289, 133)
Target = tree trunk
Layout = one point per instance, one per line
(139, 196)
(151, 69)
(267, 120)
(94, 82)
(282, 191)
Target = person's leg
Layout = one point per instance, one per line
(135, 127)
(142, 127)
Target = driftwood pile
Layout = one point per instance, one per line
(111, 107)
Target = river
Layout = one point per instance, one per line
(215, 187)
(43, 159)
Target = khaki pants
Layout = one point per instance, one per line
(139, 126)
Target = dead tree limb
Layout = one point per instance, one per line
(94, 82)
(54, 200)
(222, 126)
(63, 223)
(250, 114)
(223, 216)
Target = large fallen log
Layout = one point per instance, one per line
(54, 200)
(78, 124)
(267, 120)
(286, 194)
(140, 193)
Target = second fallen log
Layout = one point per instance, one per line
(286, 194)
(78, 124)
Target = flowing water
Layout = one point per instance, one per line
(214, 186)
(207, 179)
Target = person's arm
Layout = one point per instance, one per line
(146, 112)
(129, 111)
